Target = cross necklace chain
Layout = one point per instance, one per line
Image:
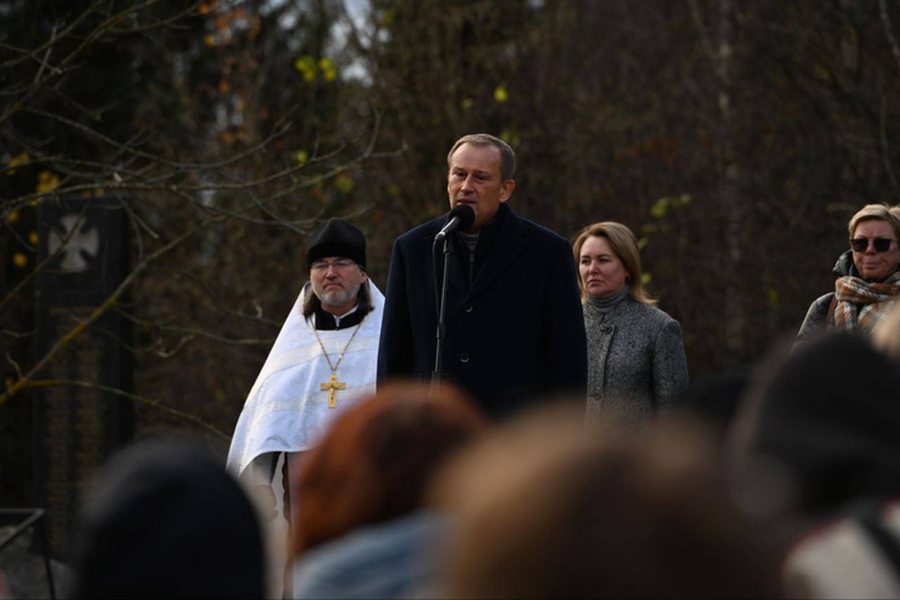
(333, 384)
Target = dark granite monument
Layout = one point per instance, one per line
(77, 428)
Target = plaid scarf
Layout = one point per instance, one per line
(863, 305)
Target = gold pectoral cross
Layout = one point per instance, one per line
(332, 387)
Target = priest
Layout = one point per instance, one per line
(323, 361)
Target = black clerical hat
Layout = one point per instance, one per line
(336, 237)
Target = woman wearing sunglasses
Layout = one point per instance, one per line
(636, 362)
(868, 280)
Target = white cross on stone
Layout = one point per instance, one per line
(82, 242)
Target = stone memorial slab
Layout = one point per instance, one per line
(77, 428)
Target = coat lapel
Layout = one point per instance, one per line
(508, 244)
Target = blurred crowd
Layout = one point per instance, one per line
(782, 483)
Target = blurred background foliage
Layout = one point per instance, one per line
(734, 138)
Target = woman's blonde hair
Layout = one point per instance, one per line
(624, 244)
(876, 212)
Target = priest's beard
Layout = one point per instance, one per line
(337, 297)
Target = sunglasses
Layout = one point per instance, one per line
(862, 244)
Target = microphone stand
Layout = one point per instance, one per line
(437, 374)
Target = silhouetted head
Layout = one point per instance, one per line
(377, 460)
(544, 512)
(828, 416)
(166, 521)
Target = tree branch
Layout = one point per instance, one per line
(889, 31)
(42, 383)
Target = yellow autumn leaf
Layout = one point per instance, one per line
(47, 181)
(17, 160)
(501, 94)
(329, 71)
(467, 103)
(301, 156)
(646, 278)
(660, 208)
(682, 200)
(209, 39)
(20, 260)
(344, 184)
(510, 136)
(12, 217)
(34, 238)
(307, 67)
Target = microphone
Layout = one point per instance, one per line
(461, 217)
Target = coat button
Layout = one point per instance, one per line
(605, 329)
(464, 357)
(468, 308)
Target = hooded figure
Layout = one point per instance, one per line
(165, 520)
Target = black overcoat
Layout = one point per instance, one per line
(514, 335)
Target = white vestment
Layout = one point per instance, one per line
(286, 410)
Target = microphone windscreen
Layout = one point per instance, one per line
(465, 214)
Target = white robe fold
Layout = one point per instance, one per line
(286, 410)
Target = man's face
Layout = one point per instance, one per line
(474, 180)
(336, 281)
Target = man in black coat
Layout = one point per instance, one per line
(515, 329)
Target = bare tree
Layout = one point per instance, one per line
(221, 177)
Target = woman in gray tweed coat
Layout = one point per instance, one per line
(636, 362)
